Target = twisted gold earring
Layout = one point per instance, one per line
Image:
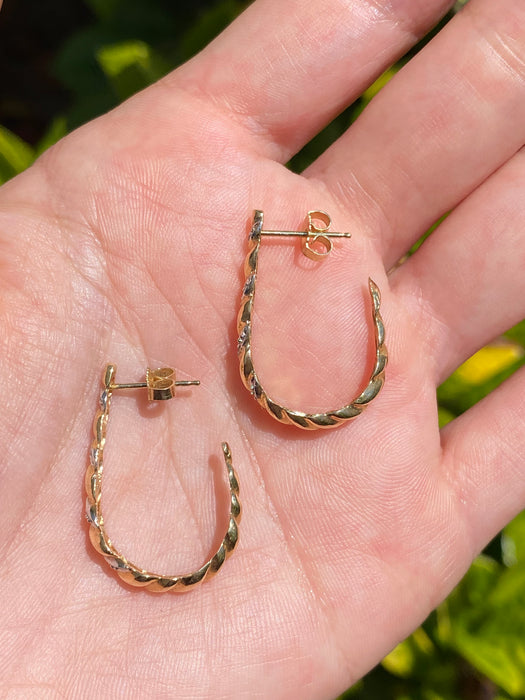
(316, 244)
(161, 386)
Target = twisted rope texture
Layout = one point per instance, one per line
(129, 572)
(306, 421)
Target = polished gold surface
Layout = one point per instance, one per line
(316, 237)
(161, 386)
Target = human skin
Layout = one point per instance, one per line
(125, 243)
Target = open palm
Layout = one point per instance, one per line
(125, 244)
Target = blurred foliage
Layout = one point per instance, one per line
(473, 645)
(15, 155)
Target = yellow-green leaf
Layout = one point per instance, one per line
(409, 654)
(513, 541)
(130, 66)
(15, 154)
(380, 83)
(487, 624)
(488, 362)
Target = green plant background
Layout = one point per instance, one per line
(98, 52)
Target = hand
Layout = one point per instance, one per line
(125, 244)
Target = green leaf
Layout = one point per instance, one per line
(486, 623)
(500, 658)
(76, 67)
(380, 83)
(517, 333)
(15, 154)
(477, 583)
(368, 95)
(445, 416)
(130, 66)
(377, 684)
(411, 655)
(513, 541)
(427, 233)
(479, 375)
(489, 362)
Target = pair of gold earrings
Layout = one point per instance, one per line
(161, 385)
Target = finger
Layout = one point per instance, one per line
(450, 118)
(286, 69)
(466, 281)
(483, 457)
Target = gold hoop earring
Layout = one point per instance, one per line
(161, 385)
(316, 244)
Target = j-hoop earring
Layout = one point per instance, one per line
(316, 244)
(161, 385)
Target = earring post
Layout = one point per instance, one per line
(144, 385)
(307, 234)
